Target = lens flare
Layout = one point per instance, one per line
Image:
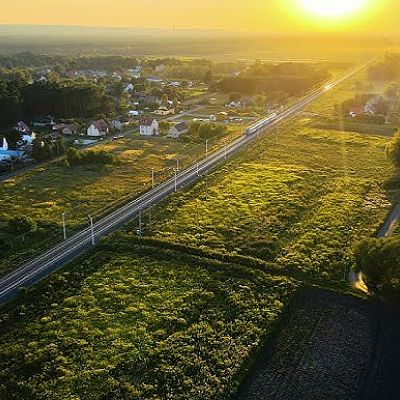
(332, 8)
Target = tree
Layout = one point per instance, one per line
(13, 138)
(393, 150)
(209, 77)
(379, 261)
(164, 99)
(41, 150)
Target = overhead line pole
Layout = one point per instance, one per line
(64, 226)
(92, 231)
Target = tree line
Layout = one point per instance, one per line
(292, 79)
(65, 99)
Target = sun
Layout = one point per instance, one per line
(332, 8)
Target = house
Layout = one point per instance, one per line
(178, 130)
(98, 128)
(148, 127)
(23, 128)
(129, 88)
(116, 76)
(118, 123)
(70, 129)
(164, 111)
(133, 113)
(222, 116)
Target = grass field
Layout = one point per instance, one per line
(128, 322)
(182, 313)
(300, 199)
(46, 192)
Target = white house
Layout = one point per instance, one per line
(178, 130)
(133, 113)
(148, 127)
(98, 128)
(129, 88)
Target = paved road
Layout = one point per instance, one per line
(48, 262)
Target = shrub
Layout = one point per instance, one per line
(21, 225)
(77, 157)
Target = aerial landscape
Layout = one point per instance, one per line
(199, 200)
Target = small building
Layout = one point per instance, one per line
(70, 129)
(164, 111)
(129, 88)
(149, 127)
(222, 116)
(133, 113)
(118, 123)
(98, 128)
(23, 128)
(177, 130)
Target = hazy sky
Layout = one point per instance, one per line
(258, 15)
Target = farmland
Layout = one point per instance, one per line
(134, 322)
(300, 199)
(328, 347)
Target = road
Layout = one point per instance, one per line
(51, 260)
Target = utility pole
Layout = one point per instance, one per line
(225, 150)
(64, 226)
(197, 169)
(153, 178)
(206, 148)
(176, 178)
(177, 164)
(92, 230)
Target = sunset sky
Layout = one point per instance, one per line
(250, 15)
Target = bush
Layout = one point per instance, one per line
(379, 261)
(78, 157)
(21, 225)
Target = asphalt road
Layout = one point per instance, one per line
(51, 260)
